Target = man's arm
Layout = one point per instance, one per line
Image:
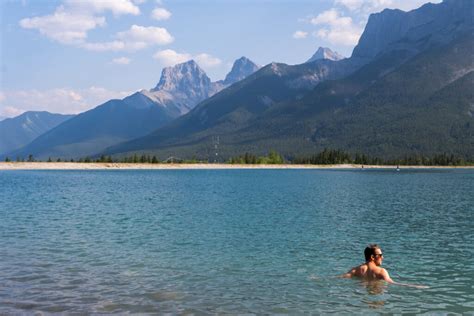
(386, 276)
(349, 274)
(388, 279)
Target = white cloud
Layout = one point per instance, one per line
(149, 35)
(300, 34)
(336, 28)
(75, 33)
(121, 61)
(64, 27)
(332, 17)
(207, 61)
(61, 100)
(118, 7)
(71, 22)
(169, 57)
(160, 14)
(10, 111)
(136, 38)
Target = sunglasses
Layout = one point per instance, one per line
(378, 254)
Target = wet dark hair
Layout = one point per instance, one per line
(370, 251)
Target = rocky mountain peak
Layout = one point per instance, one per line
(184, 85)
(242, 68)
(325, 53)
(187, 75)
(431, 24)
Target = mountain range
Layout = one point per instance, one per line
(18, 131)
(180, 88)
(405, 90)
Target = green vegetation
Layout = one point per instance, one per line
(328, 156)
(325, 157)
(336, 156)
(272, 158)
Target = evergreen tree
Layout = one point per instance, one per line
(274, 158)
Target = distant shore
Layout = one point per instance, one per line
(162, 166)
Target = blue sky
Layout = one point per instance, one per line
(68, 56)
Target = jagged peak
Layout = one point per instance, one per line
(325, 53)
(243, 60)
(185, 73)
(187, 66)
(242, 68)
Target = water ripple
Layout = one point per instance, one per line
(233, 242)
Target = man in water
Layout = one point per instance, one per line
(372, 270)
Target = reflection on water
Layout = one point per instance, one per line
(233, 241)
(375, 289)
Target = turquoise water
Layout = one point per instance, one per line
(234, 241)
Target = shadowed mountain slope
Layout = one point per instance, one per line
(89, 132)
(18, 131)
(239, 104)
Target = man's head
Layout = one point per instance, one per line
(373, 253)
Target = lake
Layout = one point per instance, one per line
(234, 241)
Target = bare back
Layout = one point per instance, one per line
(368, 271)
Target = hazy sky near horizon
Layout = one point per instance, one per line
(68, 56)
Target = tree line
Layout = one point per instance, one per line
(325, 157)
(336, 157)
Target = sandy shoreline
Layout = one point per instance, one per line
(135, 166)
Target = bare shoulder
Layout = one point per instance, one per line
(360, 270)
(383, 271)
(349, 274)
(384, 275)
(379, 270)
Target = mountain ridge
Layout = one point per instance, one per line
(20, 130)
(243, 121)
(180, 88)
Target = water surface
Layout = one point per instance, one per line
(234, 241)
